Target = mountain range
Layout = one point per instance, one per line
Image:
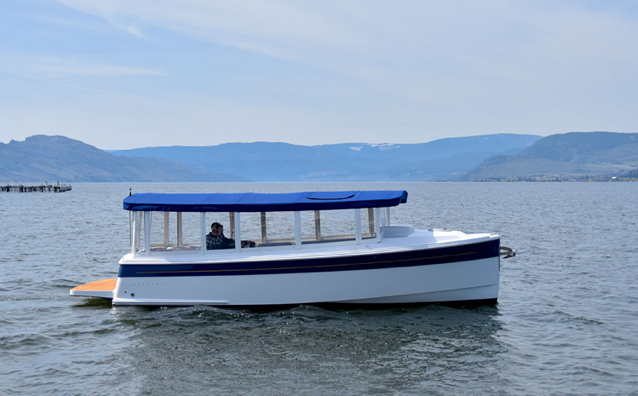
(443, 159)
(570, 156)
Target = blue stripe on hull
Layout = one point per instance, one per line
(412, 258)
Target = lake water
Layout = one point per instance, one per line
(566, 321)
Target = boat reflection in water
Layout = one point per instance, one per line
(381, 263)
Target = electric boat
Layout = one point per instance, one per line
(377, 263)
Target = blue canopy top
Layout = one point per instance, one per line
(260, 202)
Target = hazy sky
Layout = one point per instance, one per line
(129, 73)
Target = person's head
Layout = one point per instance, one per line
(217, 229)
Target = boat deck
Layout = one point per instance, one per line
(102, 288)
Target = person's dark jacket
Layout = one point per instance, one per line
(219, 242)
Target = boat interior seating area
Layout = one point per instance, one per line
(396, 231)
(269, 243)
(173, 237)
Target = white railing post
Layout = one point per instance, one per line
(134, 234)
(237, 230)
(147, 231)
(297, 228)
(371, 221)
(377, 224)
(357, 225)
(231, 220)
(264, 231)
(166, 227)
(202, 230)
(387, 216)
(317, 225)
(178, 227)
(138, 230)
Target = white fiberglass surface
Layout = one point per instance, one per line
(464, 278)
(419, 239)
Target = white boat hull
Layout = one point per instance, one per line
(421, 267)
(457, 281)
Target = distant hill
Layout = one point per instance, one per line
(631, 174)
(565, 156)
(53, 158)
(443, 159)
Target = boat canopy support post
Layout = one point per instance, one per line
(166, 229)
(180, 235)
(382, 221)
(371, 220)
(264, 231)
(231, 220)
(237, 230)
(134, 234)
(137, 231)
(202, 231)
(318, 225)
(357, 225)
(387, 216)
(148, 216)
(298, 228)
(377, 224)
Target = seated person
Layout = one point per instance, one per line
(215, 239)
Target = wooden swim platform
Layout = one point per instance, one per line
(102, 288)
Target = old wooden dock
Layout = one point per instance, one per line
(56, 188)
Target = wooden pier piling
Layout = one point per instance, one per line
(55, 188)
